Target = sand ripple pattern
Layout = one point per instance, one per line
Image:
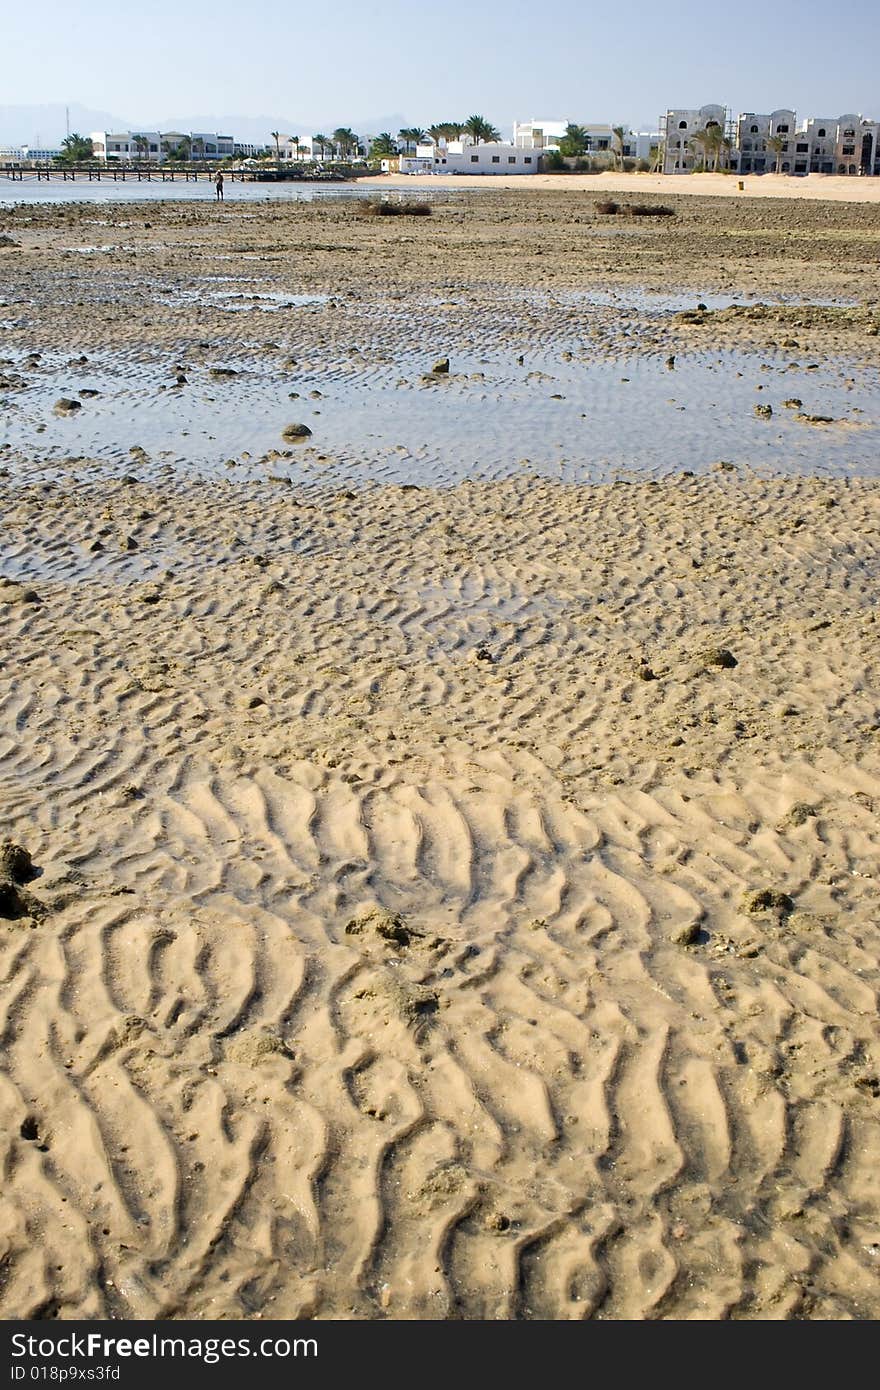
(394, 960)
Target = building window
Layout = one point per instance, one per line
(782, 129)
(821, 133)
(475, 159)
(511, 159)
(527, 159)
(786, 168)
(848, 134)
(682, 125)
(747, 144)
(802, 149)
(754, 130)
(849, 149)
(496, 159)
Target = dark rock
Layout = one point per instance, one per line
(719, 656)
(686, 935)
(15, 902)
(767, 900)
(15, 863)
(295, 432)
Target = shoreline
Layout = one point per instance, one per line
(811, 187)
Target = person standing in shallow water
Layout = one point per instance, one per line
(218, 184)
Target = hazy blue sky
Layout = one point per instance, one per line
(344, 62)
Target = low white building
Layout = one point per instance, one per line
(465, 157)
(299, 149)
(538, 135)
(26, 154)
(134, 146)
(599, 138)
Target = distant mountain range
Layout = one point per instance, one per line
(46, 126)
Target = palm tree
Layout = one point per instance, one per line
(345, 141)
(276, 136)
(452, 130)
(480, 129)
(619, 133)
(77, 148)
(141, 144)
(700, 142)
(778, 144)
(574, 141)
(323, 142)
(384, 146)
(712, 141)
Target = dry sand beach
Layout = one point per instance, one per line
(821, 187)
(448, 901)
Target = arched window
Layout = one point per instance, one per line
(682, 125)
(754, 130)
(848, 134)
(710, 124)
(821, 133)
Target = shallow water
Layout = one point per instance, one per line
(154, 191)
(384, 416)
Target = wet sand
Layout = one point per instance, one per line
(449, 902)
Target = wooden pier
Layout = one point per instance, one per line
(163, 173)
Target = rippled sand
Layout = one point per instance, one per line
(448, 902)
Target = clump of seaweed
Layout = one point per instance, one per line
(374, 207)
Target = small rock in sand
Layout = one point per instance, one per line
(719, 656)
(295, 432)
(767, 900)
(15, 863)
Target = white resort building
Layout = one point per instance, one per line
(465, 157)
(759, 144)
(154, 147)
(681, 154)
(599, 138)
(27, 154)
